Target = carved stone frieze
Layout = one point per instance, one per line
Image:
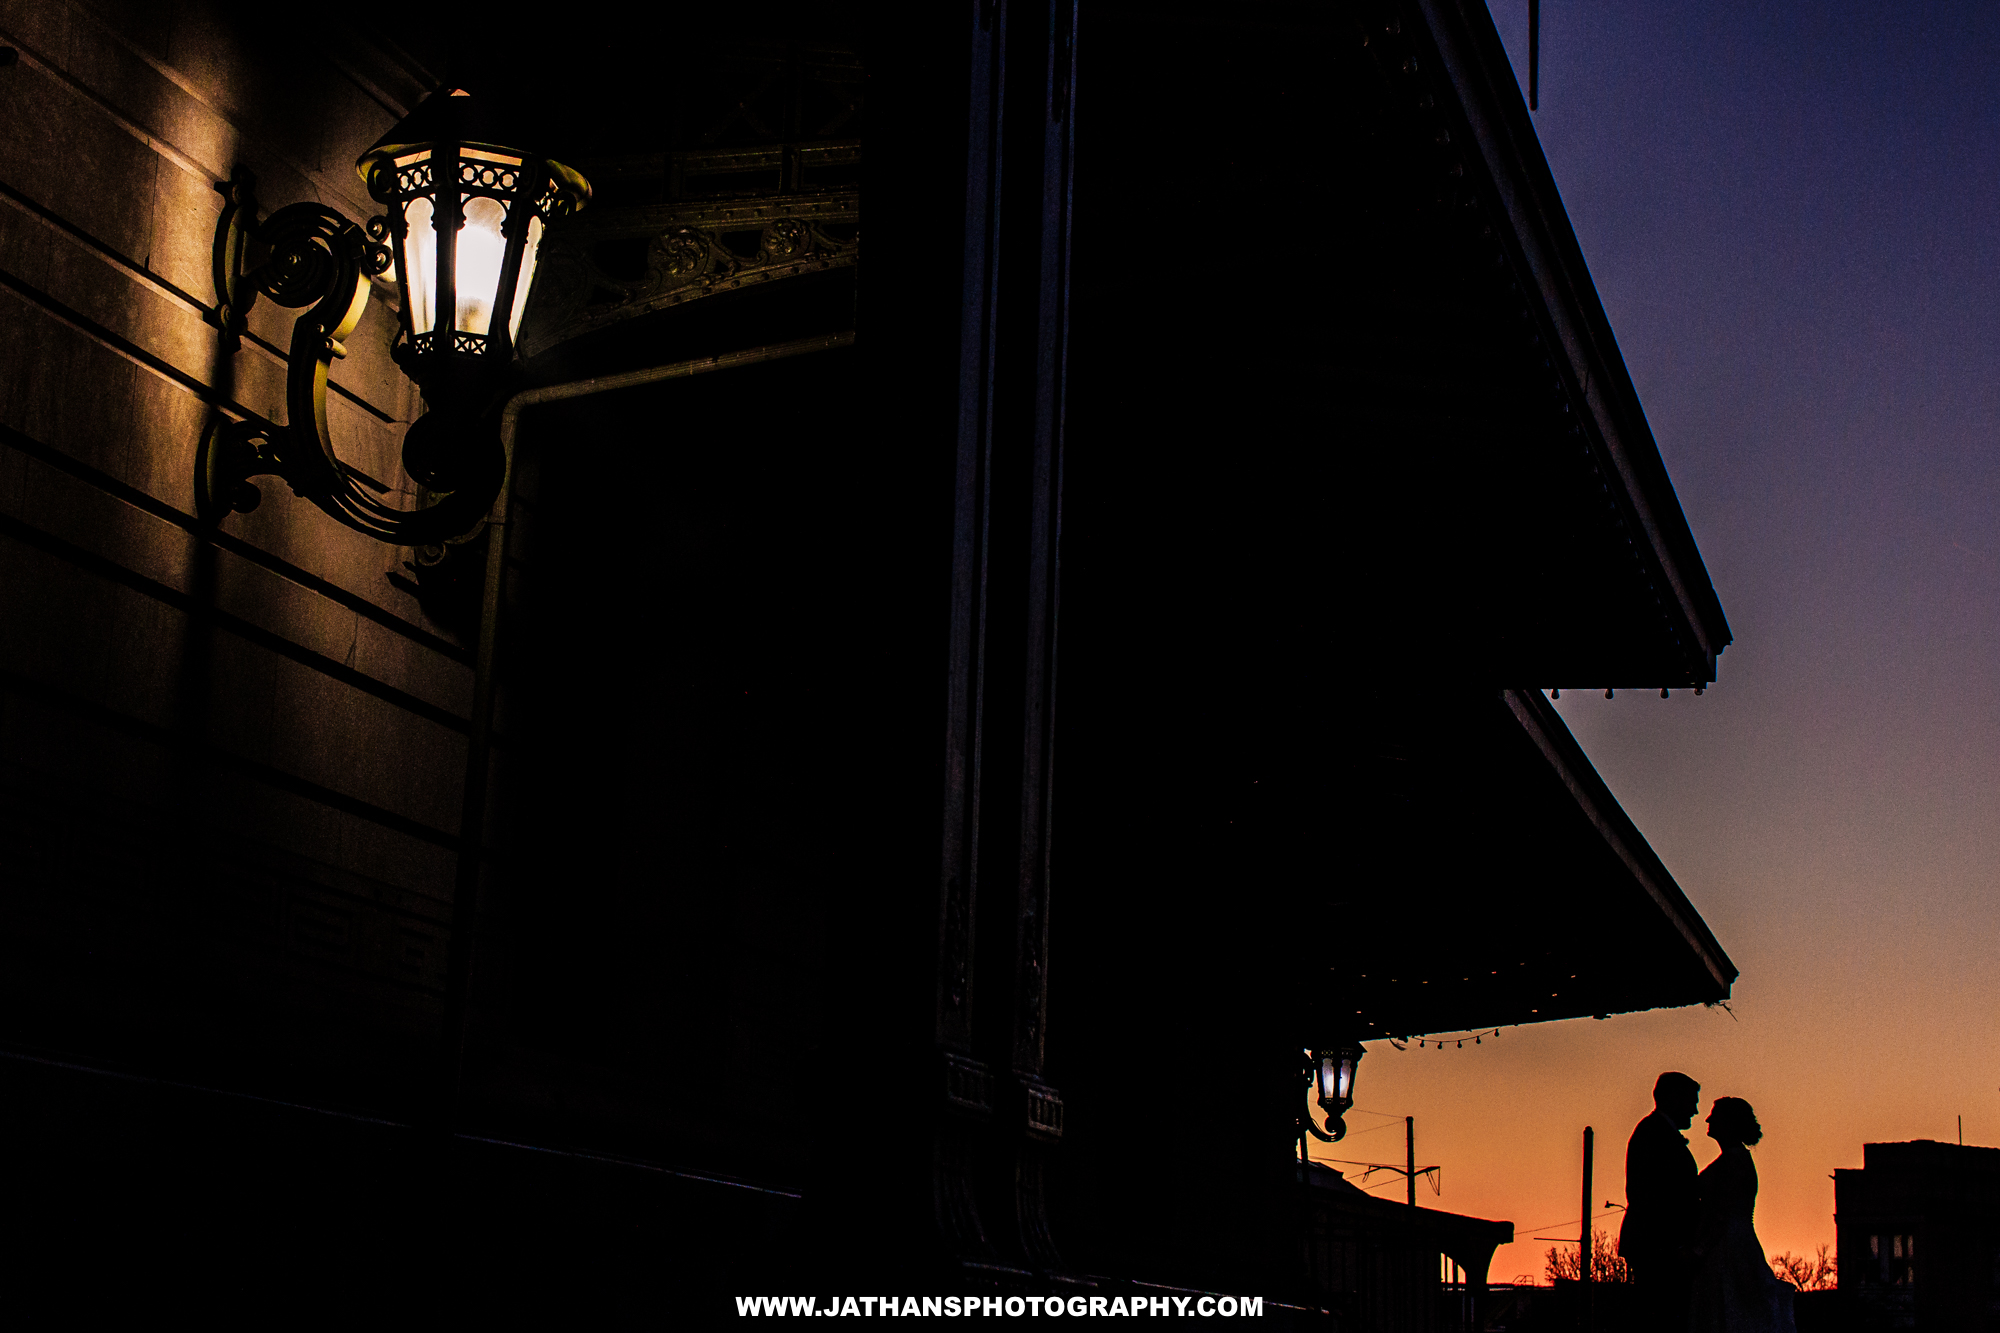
(613, 264)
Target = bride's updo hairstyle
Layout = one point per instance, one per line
(1733, 1116)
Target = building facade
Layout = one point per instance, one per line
(1919, 1243)
(691, 881)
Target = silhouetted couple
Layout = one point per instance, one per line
(1688, 1236)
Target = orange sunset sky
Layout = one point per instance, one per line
(1792, 213)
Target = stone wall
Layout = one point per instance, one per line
(230, 760)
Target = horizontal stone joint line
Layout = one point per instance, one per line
(607, 1159)
(122, 346)
(282, 868)
(146, 276)
(236, 546)
(215, 755)
(172, 152)
(110, 570)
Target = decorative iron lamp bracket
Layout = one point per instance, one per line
(465, 218)
(318, 262)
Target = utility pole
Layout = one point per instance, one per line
(1583, 1259)
(1409, 1168)
(1410, 1155)
(1534, 53)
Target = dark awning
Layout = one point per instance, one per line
(1480, 409)
(1500, 883)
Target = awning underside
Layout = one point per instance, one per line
(1499, 883)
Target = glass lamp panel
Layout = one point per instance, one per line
(1343, 1079)
(419, 264)
(526, 281)
(1328, 1079)
(482, 249)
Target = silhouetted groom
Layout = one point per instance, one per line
(1661, 1212)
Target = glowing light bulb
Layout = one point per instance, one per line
(481, 251)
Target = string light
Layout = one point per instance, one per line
(1455, 1039)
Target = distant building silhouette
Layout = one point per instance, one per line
(1919, 1236)
(1377, 1259)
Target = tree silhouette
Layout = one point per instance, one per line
(1605, 1265)
(1820, 1273)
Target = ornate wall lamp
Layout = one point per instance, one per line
(1332, 1075)
(465, 218)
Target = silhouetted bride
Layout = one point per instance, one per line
(1734, 1289)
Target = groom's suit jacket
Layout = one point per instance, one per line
(1660, 1194)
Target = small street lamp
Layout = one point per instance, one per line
(466, 215)
(1332, 1074)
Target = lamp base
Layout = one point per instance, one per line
(447, 451)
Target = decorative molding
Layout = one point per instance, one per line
(967, 1103)
(696, 247)
(956, 1163)
(968, 1084)
(1041, 1109)
(957, 966)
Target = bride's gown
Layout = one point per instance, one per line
(1734, 1289)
